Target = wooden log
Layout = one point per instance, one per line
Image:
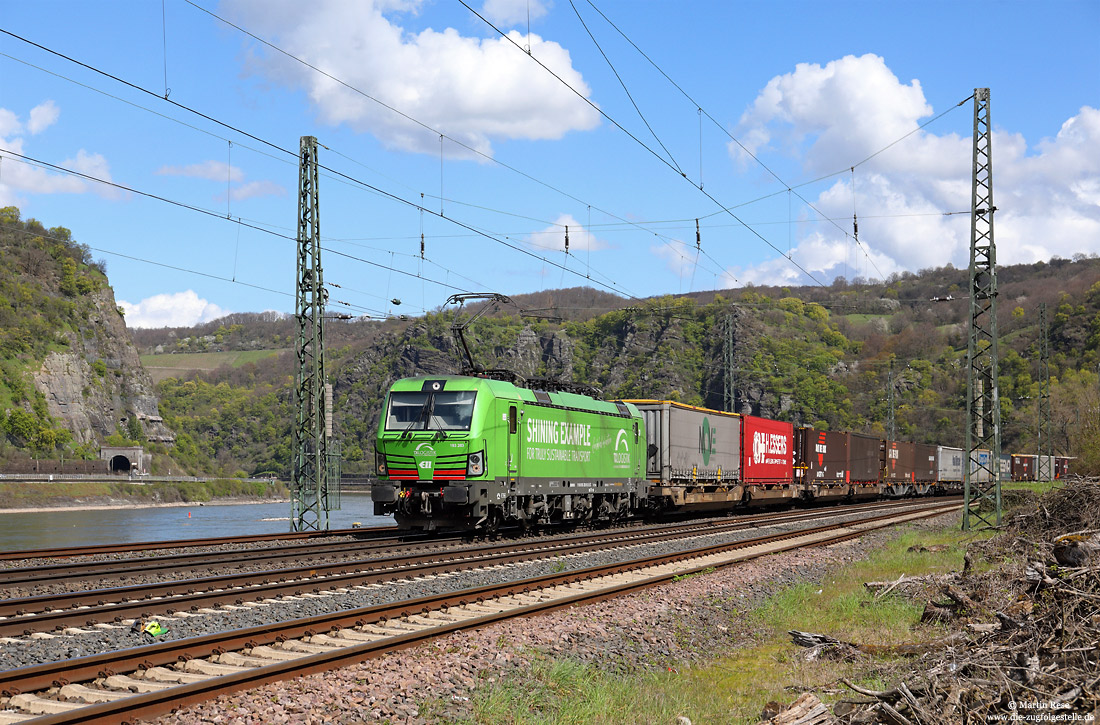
(806, 710)
(962, 599)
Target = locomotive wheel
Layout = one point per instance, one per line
(492, 526)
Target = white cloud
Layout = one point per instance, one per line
(679, 257)
(20, 177)
(257, 188)
(552, 238)
(43, 116)
(472, 89)
(209, 170)
(506, 13)
(834, 115)
(9, 124)
(179, 309)
(221, 172)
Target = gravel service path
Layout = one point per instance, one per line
(668, 627)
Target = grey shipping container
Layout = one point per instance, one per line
(685, 443)
(1044, 468)
(865, 458)
(981, 471)
(950, 462)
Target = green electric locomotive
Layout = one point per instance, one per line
(462, 452)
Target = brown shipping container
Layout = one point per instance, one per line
(1023, 467)
(865, 458)
(901, 459)
(924, 462)
(821, 456)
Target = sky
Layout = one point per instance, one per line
(680, 146)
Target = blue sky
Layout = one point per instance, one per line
(810, 88)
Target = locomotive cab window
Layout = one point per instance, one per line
(417, 410)
(635, 431)
(513, 421)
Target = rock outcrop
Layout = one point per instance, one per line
(99, 385)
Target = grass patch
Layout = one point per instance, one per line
(863, 319)
(180, 363)
(1036, 486)
(735, 688)
(564, 691)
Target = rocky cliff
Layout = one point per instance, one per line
(99, 385)
(70, 374)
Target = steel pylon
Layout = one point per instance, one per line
(981, 480)
(729, 372)
(310, 467)
(1045, 462)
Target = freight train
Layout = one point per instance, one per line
(475, 453)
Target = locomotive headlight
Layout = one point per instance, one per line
(475, 464)
(380, 463)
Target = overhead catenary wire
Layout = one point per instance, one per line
(213, 214)
(671, 158)
(722, 128)
(435, 131)
(611, 285)
(324, 173)
(177, 268)
(641, 143)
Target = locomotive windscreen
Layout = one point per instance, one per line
(417, 410)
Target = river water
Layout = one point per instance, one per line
(62, 528)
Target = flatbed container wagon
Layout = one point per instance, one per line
(693, 456)
(902, 466)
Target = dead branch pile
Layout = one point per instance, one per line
(1072, 507)
(1026, 630)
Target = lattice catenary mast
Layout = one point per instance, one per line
(981, 480)
(309, 481)
(729, 382)
(1045, 461)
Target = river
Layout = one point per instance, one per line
(64, 528)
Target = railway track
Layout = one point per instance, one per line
(89, 550)
(76, 566)
(123, 685)
(116, 606)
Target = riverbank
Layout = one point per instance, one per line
(16, 497)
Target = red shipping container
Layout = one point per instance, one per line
(767, 450)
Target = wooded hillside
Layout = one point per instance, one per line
(814, 355)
